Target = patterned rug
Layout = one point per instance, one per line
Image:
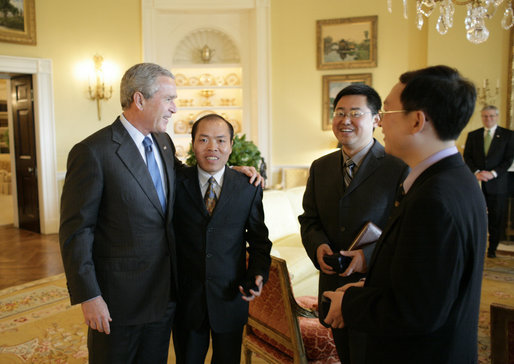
(38, 325)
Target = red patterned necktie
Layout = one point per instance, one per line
(210, 196)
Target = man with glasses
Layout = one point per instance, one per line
(345, 190)
(488, 153)
(421, 298)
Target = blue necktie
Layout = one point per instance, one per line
(154, 171)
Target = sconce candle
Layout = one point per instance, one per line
(98, 91)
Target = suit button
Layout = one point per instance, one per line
(209, 255)
(343, 228)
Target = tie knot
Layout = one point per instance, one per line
(349, 163)
(147, 143)
(212, 181)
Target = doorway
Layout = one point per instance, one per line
(18, 159)
(40, 71)
(6, 196)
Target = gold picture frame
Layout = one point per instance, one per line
(331, 85)
(347, 42)
(19, 25)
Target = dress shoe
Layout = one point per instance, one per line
(491, 255)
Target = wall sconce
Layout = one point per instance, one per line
(485, 94)
(97, 89)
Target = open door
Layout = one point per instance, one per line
(25, 152)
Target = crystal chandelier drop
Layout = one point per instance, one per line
(477, 12)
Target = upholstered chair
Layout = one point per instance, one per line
(279, 330)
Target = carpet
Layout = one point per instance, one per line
(38, 325)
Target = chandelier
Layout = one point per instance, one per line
(477, 12)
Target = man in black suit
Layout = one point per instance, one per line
(217, 214)
(116, 224)
(420, 300)
(488, 153)
(336, 209)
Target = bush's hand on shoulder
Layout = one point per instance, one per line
(251, 172)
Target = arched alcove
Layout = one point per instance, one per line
(222, 48)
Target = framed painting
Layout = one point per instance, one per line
(332, 84)
(18, 21)
(347, 43)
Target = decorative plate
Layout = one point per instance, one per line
(220, 81)
(180, 127)
(181, 80)
(206, 79)
(194, 81)
(232, 79)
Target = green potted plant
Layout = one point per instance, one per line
(244, 153)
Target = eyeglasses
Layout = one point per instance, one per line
(381, 113)
(352, 114)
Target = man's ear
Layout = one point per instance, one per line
(419, 119)
(138, 100)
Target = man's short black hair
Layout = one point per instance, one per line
(447, 98)
(372, 98)
(211, 117)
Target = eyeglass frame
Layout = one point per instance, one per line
(381, 113)
(342, 114)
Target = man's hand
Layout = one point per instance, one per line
(251, 172)
(358, 263)
(484, 176)
(324, 249)
(348, 285)
(335, 316)
(258, 283)
(96, 315)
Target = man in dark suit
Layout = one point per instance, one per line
(420, 300)
(115, 234)
(217, 214)
(336, 209)
(488, 153)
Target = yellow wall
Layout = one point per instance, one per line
(475, 61)
(296, 83)
(69, 33)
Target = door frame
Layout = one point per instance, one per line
(41, 71)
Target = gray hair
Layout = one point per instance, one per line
(141, 77)
(491, 107)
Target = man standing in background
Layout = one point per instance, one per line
(488, 153)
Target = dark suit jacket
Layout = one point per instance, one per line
(115, 240)
(499, 157)
(421, 298)
(335, 216)
(212, 249)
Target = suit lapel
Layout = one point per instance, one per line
(130, 156)
(496, 140)
(227, 191)
(192, 187)
(367, 167)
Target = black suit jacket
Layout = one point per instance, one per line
(212, 250)
(335, 216)
(499, 157)
(420, 303)
(115, 239)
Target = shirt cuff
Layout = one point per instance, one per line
(494, 173)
